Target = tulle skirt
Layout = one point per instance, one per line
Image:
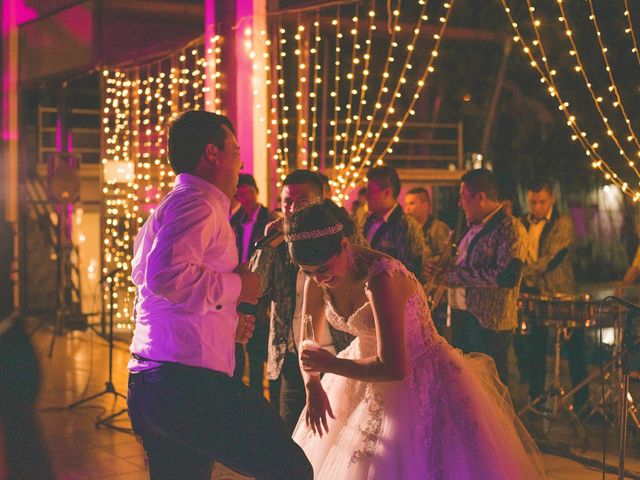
(451, 418)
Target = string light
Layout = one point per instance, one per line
(547, 76)
(138, 103)
(630, 31)
(355, 131)
(420, 84)
(596, 99)
(317, 80)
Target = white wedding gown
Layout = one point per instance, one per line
(449, 419)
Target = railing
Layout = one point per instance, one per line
(84, 128)
(421, 145)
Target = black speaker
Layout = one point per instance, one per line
(6, 258)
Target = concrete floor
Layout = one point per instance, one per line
(79, 450)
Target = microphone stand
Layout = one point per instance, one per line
(109, 386)
(624, 363)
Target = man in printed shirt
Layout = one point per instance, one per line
(182, 400)
(283, 284)
(483, 293)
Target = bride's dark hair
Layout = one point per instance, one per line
(316, 218)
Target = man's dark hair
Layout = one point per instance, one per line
(387, 177)
(189, 134)
(323, 178)
(421, 191)
(307, 177)
(482, 180)
(538, 185)
(244, 179)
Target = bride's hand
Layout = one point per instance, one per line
(316, 361)
(318, 407)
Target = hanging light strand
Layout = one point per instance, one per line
(597, 100)
(385, 75)
(402, 80)
(613, 88)
(597, 162)
(355, 60)
(630, 31)
(364, 89)
(336, 89)
(316, 79)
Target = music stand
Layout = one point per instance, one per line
(109, 389)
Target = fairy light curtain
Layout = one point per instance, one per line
(614, 150)
(138, 103)
(344, 80)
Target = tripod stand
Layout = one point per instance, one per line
(555, 393)
(110, 389)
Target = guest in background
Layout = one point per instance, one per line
(417, 203)
(360, 209)
(388, 229)
(548, 271)
(437, 235)
(249, 223)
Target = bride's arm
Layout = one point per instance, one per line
(388, 296)
(318, 406)
(313, 304)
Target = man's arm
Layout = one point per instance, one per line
(507, 269)
(175, 268)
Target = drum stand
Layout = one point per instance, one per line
(555, 393)
(613, 375)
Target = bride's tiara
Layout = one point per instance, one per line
(321, 232)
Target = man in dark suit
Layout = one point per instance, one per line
(387, 228)
(249, 222)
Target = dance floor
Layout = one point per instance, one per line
(78, 368)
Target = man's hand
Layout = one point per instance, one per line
(273, 228)
(246, 326)
(251, 289)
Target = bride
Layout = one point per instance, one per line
(399, 402)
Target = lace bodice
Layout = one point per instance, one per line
(421, 334)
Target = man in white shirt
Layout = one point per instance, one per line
(182, 400)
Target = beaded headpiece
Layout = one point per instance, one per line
(321, 232)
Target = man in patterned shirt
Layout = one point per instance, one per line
(484, 283)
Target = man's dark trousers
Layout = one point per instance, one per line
(189, 417)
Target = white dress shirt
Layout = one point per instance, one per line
(534, 234)
(184, 258)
